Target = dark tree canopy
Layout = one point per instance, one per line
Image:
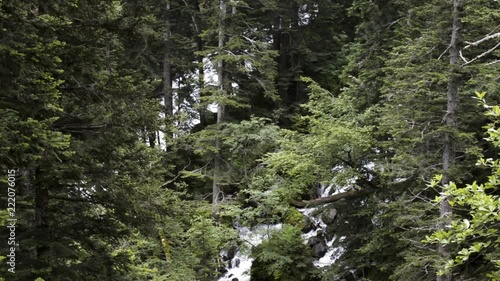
(139, 139)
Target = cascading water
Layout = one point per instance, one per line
(317, 237)
(239, 266)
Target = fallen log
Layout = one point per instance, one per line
(329, 199)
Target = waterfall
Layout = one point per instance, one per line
(238, 268)
(317, 236)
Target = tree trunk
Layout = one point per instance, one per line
(41, 216)
(283, 71)
(220, 108)
(151, 138)
(199, 46)
(449, 151)
(167, 78)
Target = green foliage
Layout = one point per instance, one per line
(249, 62)
(81, 121)
(335, 137)
(294, 218)
(206, 239)
(283, 257)
(363, 74)
(245, 143)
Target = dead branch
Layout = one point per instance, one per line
(486, 38)
(330, 199)
(482, 55)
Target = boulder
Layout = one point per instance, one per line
(318, 246)
(229, 254)
(319, 250)
(307, 225)
(329, 216)
(330, 232)
(313, 241)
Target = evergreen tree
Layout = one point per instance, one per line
(130, 124)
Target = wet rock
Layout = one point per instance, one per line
(318, 246)
(307, 225)
(229, 254)
(319, 250)
(234, 279)
(329, 216)
(330, 232)
(313, 241)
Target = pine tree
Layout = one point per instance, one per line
(430, 131)
(73, 136)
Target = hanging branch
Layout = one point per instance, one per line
(329, 199)
(476, 43)
(479, 56)
(486, 38)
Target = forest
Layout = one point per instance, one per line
(250, 140)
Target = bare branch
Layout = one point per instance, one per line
(444, 52)
(394, 22)
(472, 44)
(496, 27)
(249, 40)
(483, 54)
(493, 62)
(329, 199)
(193, 19)
(177, 176)
(462, 56)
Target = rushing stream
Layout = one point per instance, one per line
(238, 268)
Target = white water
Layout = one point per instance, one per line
(242, 263)
(333, 253)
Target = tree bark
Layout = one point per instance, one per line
(220, 107)
(167, 77)
(41, 216)
(449, 151)
(151, 138)
(283, 71)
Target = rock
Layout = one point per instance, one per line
(231, 252)
(318, 246)
(313, 241)
(319, 250)
(329, 216)
(307, 225)
(234, 279)
(330, 232)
